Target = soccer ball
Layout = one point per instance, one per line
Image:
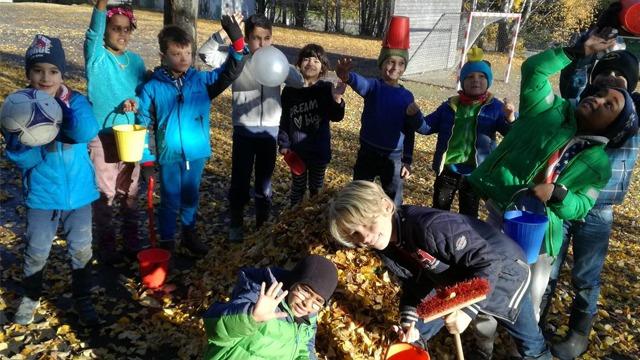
(32, 114)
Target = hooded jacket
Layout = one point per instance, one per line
(178, 115)
(490, 119)
(232, 333)
(60, 175)
(256, 108)
(436, 248)
(547, 123)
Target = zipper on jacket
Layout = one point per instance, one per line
(261, 103)
(66, 175)
(180, 100)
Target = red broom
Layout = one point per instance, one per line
(453, 298)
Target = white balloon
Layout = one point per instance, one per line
(269, 66)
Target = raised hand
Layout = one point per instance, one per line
(265, 308)
(100, 4)
(600, 41)
(509, 110)
(231, 26)
(343, 67)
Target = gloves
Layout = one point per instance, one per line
(232, 28)
(13, 142)
(147, 171)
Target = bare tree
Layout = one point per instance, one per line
(183, 13)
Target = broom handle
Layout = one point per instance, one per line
(456, 337)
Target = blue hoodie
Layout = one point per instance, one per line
(179, 115)
(59, 175)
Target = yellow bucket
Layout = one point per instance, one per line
(130, 141)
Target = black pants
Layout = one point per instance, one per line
(445, 187)
(370, 165)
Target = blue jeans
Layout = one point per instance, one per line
(371, 164)
(248, 152)
(525, 331)
(590, 241)
(179, 193)
(41, 229)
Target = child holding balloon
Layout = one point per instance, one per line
(304, 124)
(256, 119)
(175, 102)
(114, 75)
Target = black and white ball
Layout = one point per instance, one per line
(33, 114)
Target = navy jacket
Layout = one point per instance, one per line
(438, 248)
(491, 119)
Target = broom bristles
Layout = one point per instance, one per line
(449, 299)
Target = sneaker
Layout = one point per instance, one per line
(26, 311)
(236, 235)
(87, 314)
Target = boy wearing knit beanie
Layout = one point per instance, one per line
(263, 320)
(389, 120)
(466, 125)
(590, 237)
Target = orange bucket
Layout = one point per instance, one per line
(629, 16)
(154, 266)
(406, 351)
(397, 36)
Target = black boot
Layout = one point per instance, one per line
(577, 341)
(263, 208)
(105, 233)
(81, 286)
(129, 230)
(192, 242)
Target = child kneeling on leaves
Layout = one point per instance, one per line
(261, 321)
(429, 248)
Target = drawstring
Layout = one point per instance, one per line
(54, 215)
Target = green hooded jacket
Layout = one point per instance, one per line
(546, 123)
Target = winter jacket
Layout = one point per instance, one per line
(256, 108)
(232, 333)
(111, 79)
(490, 119)
(304, 125)
(385, 126)
(179, 115)
(436, 248)
(547, 122)
(59, 175)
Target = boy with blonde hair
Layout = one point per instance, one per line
(429, 248)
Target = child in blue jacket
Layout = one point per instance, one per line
(389, 118)
(58, 183)
(176, 104)
(466, 125)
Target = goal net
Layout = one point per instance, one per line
(439, 53)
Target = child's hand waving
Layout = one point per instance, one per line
(337, 90)
(509, 110)
(130, 105)
(265, 308)
(343, 67)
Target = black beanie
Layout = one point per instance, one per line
(45, 49)
(317, 272)
(621, 61)
(625, 125)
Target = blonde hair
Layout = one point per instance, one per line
(358, 203)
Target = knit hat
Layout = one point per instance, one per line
(475, 63)
(317, 272)
(387, 52)
(45, 49)
(621, 61)
(625, 125)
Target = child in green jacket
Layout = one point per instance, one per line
(556, 151)
(263, 322)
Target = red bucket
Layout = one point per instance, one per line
(629, 16)
(296, 164)
(154, 266)
(397, 36)
(405, 351)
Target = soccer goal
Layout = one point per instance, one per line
(438, 54)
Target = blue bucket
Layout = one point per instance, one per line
(527, 229)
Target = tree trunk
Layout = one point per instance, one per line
(325, 5)
(183, 13)
(338, 16)
(300, 11)
(272, 13)
(504, 30)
